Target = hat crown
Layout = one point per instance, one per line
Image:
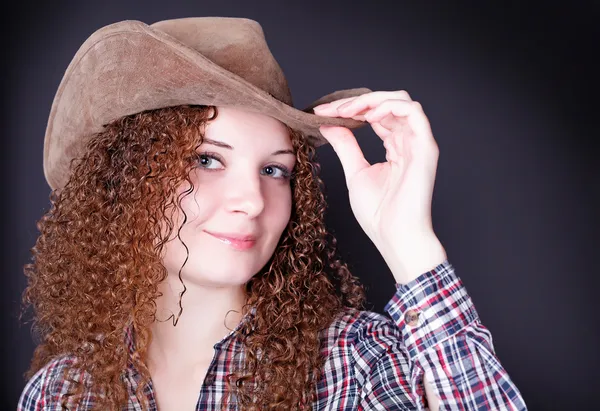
(236, 44)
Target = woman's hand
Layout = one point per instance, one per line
(391, 200)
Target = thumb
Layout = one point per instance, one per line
(347, 149)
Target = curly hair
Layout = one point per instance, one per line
(96, 268)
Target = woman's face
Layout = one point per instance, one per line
(241, 188)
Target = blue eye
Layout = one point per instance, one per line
(207, 159)
(278, 172)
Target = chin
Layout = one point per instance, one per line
(218, 274)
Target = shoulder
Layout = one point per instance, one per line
(44, 389)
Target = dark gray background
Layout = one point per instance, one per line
(511, 92)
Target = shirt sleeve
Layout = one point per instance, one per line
(436, 332)
(32, 397)
(43, 391)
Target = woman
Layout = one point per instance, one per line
(185, 263)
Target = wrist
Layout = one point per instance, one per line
(407, 260)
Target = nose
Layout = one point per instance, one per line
(245, 195)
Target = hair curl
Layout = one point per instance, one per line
(96, 267)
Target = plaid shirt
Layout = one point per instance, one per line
(374, 362)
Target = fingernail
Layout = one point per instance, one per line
(320, 106)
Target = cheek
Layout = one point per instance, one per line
(194, 209)
(197, 204)
(280, 210)
(185, 237)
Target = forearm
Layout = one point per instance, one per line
(407, 259)
(447, 345)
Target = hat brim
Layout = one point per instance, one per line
(104, 82)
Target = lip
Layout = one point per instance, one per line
(233, 236)
(237, 241)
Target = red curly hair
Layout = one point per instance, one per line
(96, 267)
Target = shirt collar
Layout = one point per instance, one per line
(130, 335)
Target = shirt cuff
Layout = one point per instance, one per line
(431, 308)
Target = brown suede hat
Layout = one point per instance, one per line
(129, 67)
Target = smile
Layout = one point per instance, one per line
(234, 243)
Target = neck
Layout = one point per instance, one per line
(206, 319)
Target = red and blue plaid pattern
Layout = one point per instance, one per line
(374, 362)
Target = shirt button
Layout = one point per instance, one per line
(411, 317)
(209, 379)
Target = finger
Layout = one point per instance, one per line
(396, 107)
(347, 149)
(381, 131)
(361, 115)
(411, 110)
(373, 98)
(341, 101)
(370, 100)
(332, 112)
(329, 109)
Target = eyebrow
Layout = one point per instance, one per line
(227, 146)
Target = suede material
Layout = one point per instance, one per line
(129, 67)
(241, 51)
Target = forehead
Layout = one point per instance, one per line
(236, 124)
